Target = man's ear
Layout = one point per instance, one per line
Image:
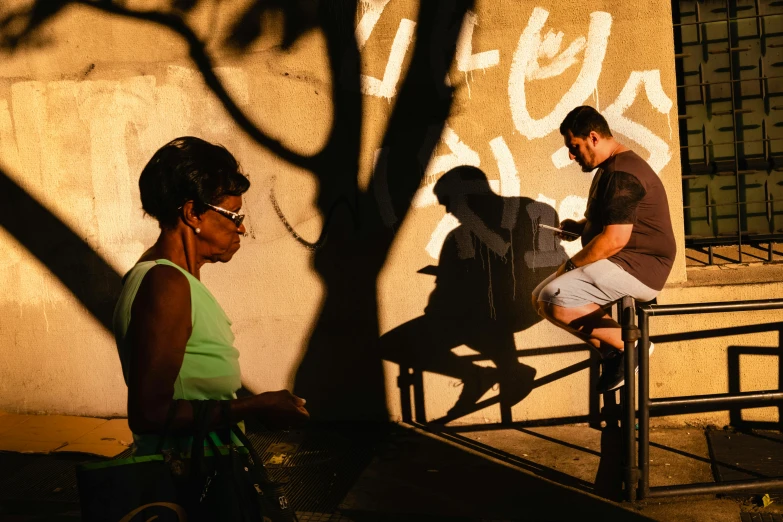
(189, 215)
(594, 138)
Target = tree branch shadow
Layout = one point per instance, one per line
(341, 373)
(82, 270)
(24, 26)
(339, 362)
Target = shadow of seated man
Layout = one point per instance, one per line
(488, 265)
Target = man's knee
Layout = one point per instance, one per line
(559, 313)
(556, 313)
(547, 310)
(535, 303)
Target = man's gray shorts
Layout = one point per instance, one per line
(601, 283)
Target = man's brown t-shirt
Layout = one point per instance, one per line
(626, 190)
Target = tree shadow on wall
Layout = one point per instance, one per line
(341, 374)
(341, 370)
(79, 268)
(488, 267)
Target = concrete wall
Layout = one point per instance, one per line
(82, 112)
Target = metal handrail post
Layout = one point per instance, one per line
(630, 334)
(780, 375)
(644, 405)
(640, 476)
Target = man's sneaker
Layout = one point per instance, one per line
(613, 373)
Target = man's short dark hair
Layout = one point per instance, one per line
(582, 120)
(188, 169)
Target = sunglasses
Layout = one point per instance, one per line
(233, 216)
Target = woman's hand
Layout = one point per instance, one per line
(281, 409)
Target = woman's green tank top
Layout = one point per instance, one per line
(210, 368)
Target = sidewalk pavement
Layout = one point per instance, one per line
(397, 472)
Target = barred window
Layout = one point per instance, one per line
(729, 62)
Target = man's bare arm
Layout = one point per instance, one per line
(610, 241)
(603, 246)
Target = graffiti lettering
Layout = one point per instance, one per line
(525, 67)
(660, 154)
(470, 222)
(387, 86)
(659, 149)
(460, 154)
(510, 187)
(466, 60)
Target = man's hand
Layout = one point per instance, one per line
(282, 409)
(569, 225)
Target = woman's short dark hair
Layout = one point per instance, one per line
(186, 169)
(582, 120)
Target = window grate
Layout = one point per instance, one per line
(728, 54)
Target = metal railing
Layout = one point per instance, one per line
(639, 476)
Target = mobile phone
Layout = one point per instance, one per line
(560, 230)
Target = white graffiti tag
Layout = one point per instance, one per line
(466, 60)
(660, 153)
(471, 223)
(525, 67)
(508, 187)
(460, 154)
(615, 115)
(541, 54)
(387, 86)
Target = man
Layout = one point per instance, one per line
(627, 243)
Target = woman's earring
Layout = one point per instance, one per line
(198, 230)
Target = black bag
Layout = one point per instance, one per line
(229, 484)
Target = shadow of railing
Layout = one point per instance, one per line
(735, 372)
(609, 480)
(412, 393)
(734, 354)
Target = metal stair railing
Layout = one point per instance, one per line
(637, 478)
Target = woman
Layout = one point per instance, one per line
(175, 341)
